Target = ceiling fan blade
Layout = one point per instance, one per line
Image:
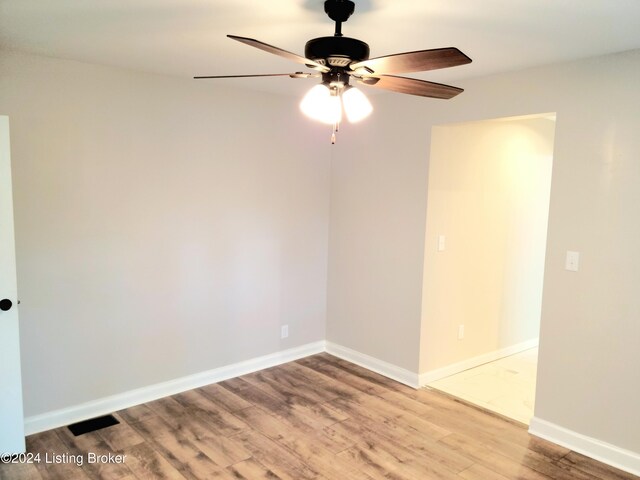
(292, 75)
(419, 61)
(278, 51)
(412, 86)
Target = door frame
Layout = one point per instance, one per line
(12, 439)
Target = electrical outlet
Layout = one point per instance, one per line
(460, 332)
(284, 331)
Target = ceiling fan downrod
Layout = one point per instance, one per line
(339, 11)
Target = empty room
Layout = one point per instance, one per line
(251, 239)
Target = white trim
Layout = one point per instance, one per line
(454, 368)
(383, 368)
(591, 447)
(113, 403)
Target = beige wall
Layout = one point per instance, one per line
(589, 356)
(488, 194)
(164, 227)
(377, 192)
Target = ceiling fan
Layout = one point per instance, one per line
(338, 59)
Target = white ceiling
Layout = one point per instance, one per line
(188, 37)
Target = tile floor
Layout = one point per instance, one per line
(506, 386)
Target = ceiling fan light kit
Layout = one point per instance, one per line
(356, 105)
(322, 103)
(338, 58)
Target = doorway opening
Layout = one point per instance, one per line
(485, 245)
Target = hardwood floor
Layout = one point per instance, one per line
(316, 418)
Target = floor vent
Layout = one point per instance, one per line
(93, 424)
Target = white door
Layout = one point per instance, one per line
(11, 416)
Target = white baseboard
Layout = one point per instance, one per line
(383, 368)
(103, 406)
(458, 367)
(604, 452)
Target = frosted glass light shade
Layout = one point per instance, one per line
(356, 105)
(320, 105)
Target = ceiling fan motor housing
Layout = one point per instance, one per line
(336, 51)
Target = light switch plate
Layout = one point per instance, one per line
(441, 243)
(572, 262)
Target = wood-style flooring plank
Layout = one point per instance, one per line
(251, 469)
(282, 376)
(326, 382)
(430, 458)
(491, 459)
(372, 377)
(168, 409)
(277, 390)
(378, 463)
(478, 472)
(121, 436)
(276, 427)
(93, 442)
(23, 471)
(224, 397)
(276, 457)
(302, 417)
(136, 414)
(223, 450)
(180, 451)
(575, 461)
(48, 444)
(321, 365)
(199, 405)
(316, 449)
(148, 464)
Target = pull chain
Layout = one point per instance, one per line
(336, 127)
